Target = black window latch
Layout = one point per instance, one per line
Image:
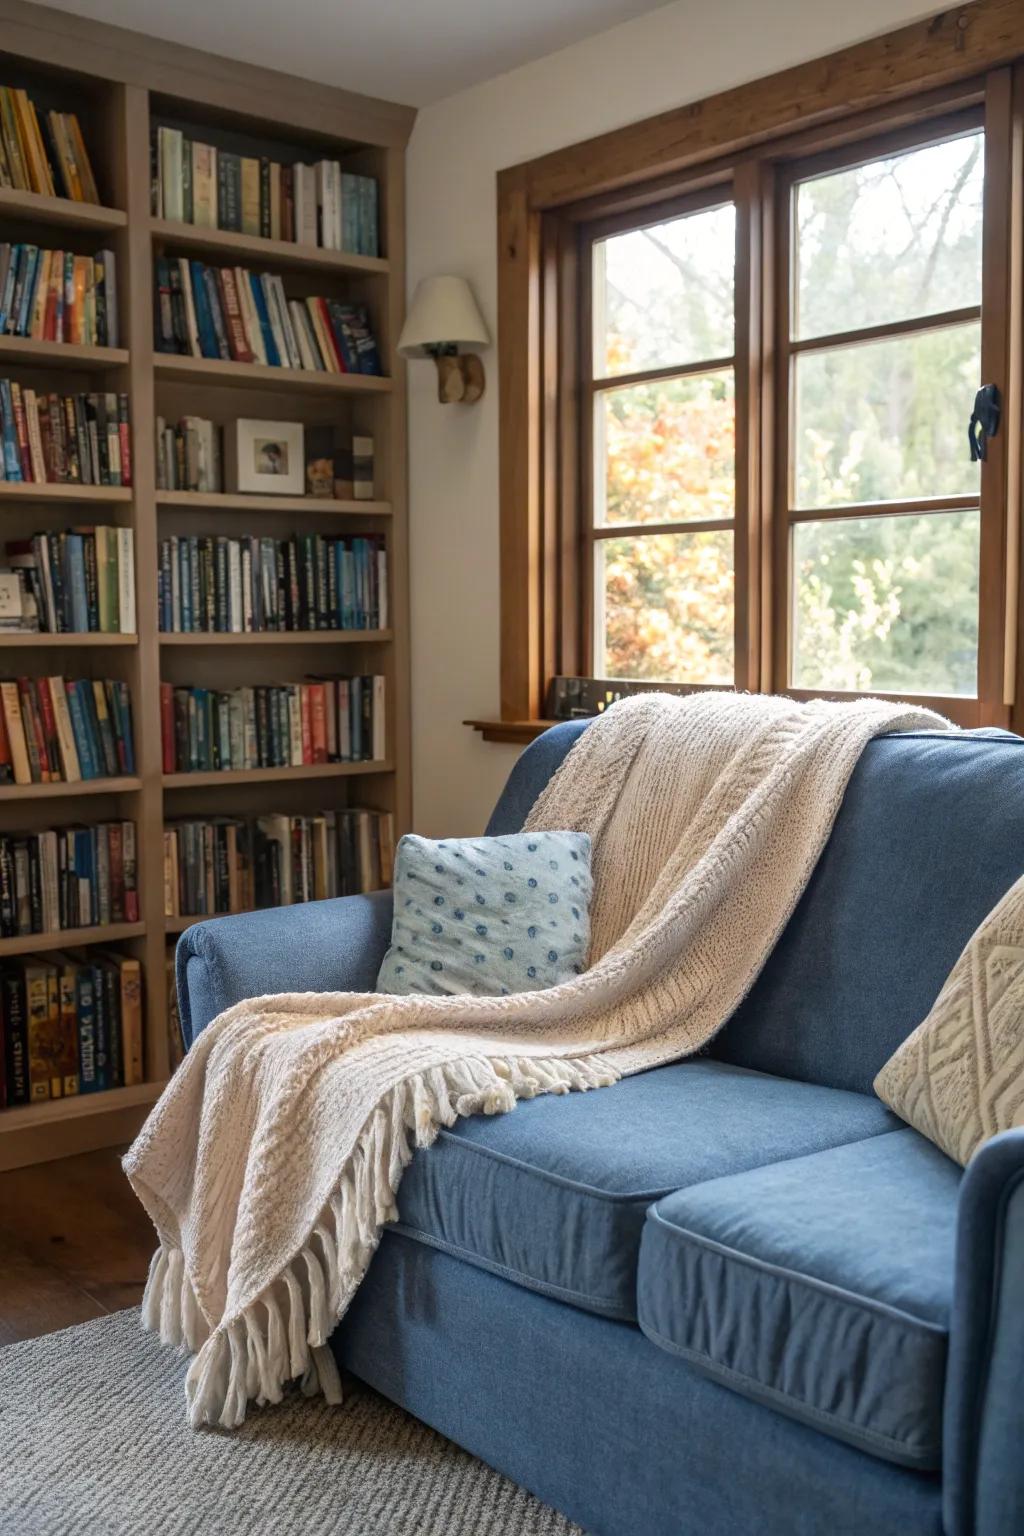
(984, 421)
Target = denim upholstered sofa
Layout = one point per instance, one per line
(734, 1296)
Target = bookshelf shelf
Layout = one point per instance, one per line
(59, 354)
(29, 491)
(275, 775)
(226, 501)
(58, 210)
(50, 1110)
(70, 938)
(62, 790)
(240, 249)
(14, 640)
(284, 637)
(124, 88)
(211, 370)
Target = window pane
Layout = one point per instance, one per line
(664, 452)
(664, 607)
(887, 604)
(664, 295)
(887, 420)
(887, 241)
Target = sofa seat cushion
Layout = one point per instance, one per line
(553, 1195)
(820, 1286)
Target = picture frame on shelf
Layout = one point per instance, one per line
(265, 457)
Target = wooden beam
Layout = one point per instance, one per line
(958, 42)
(520, 432)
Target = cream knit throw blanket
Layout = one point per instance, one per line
(272, 1160)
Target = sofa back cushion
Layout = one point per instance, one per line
(929, 837)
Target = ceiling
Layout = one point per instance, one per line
(412, 51)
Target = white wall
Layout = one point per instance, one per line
(679, 53)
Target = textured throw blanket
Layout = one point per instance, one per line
(272, 1160)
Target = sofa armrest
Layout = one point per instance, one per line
(984, 1418)
(319, 946)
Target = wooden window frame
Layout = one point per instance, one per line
(945, 65)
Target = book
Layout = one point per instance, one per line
(254, 584)
(89, 312)
(56, 439)
(43, 152)
(61, 729)
(283, 725)
(72, 582)
(219, 865)
(224, 312)
(321, 204)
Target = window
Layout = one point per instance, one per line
(662, 421)
(874, 546)
(881, 499)
(737, 373)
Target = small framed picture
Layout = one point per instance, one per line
(267, 456)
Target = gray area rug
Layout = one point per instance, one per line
(93, 1442)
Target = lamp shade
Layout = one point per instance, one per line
(443, 313)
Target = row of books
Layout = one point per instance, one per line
(68, 877)
(76, 582)
(196, 183)
(64, 439)
(189, 455)
(246, 317)
(290, 725)
(56, 730)
(58, 296)
(219, 865)
(71, 1023)
(43, 152)
(252, 585)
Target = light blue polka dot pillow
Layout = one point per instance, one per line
(489, 915)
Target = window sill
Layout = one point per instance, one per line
(511, 732)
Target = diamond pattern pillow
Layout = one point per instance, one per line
(489, 915)
(959, 1078)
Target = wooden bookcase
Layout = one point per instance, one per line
(121, 84)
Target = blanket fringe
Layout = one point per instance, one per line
(283, 1334)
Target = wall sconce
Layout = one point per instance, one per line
(443, 317)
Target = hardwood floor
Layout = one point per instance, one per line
(74, 1244)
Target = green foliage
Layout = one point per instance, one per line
(882, 603)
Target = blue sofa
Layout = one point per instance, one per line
(734, 1296)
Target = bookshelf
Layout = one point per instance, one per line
(121, 85)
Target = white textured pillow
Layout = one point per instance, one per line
(959, 1078)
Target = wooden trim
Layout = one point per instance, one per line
(38, 1133)
(995, 360)
(516, 733)
(70, 938)
(28, 490)
(865, 334)
(1013, 674)
(248, 90)
(286, 255)
(883, 509)
(38, 207)
(656, 375)
(275, 637)
(59, 354)
(252, 501)
(749, 289)
(218, 780)
(944, 49)
(519, 231)
(646, 530)
(214, 370)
